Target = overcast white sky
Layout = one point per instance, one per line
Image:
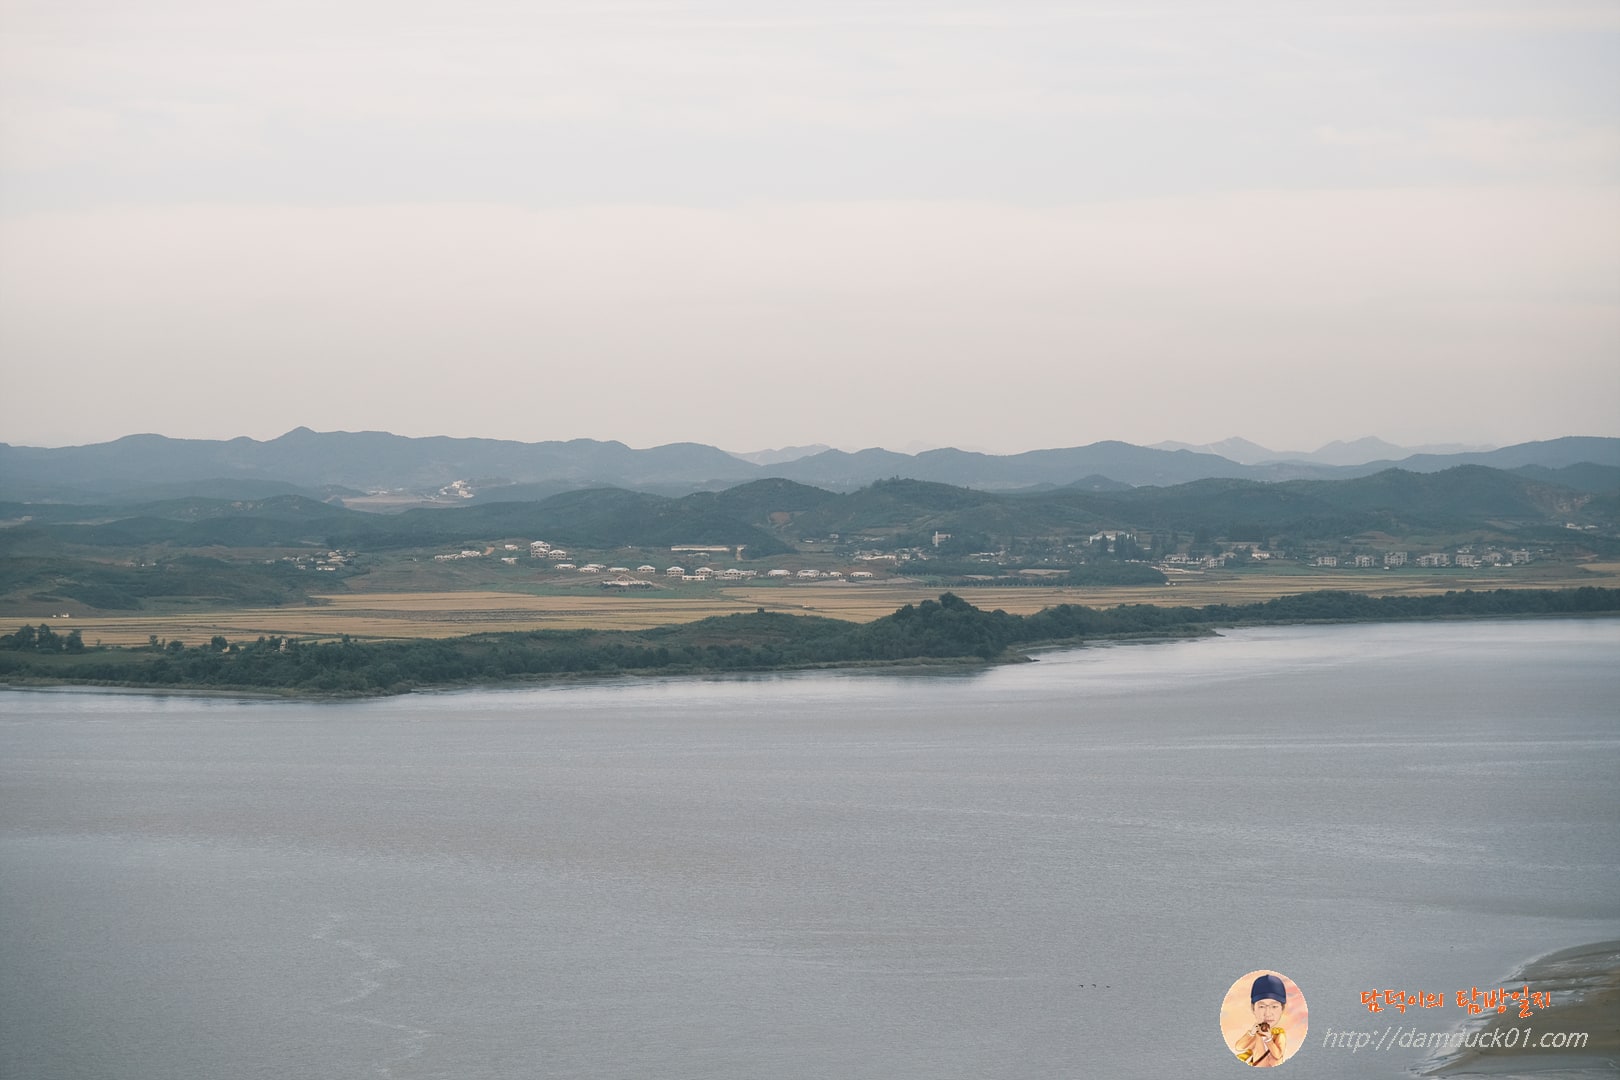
(999, 225)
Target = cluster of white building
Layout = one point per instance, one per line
(558, 557)
(328, 562)
(1206, 561)
(539, 549)
(464, 553)
(1465, 558)
(1470, 559)
(1389, 559)
(709, 573)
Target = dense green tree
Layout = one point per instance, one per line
(941, 629)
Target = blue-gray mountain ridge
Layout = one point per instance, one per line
(141, 467)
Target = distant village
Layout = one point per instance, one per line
(878, 563)
(331, 562)
(1467, 556)
(1464, 556)
(643, 576)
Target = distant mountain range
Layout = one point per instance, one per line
(1358, 452)
(777, 457)
(347, 465)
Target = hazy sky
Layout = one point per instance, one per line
(1000, 225)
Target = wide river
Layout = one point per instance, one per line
(1041, 870)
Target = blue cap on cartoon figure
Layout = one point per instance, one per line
(1268, 986)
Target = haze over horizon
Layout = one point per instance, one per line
(1245, 452)
(920, 225)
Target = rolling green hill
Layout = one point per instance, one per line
(595, 518)
(771, 517)
(144, 467)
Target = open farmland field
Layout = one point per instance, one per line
(376, 616)
(1191, 589)
(397, 615)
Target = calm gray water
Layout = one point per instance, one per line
(1048, 870)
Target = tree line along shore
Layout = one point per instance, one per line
(945, 630)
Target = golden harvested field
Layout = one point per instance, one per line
(402, 615)
(448, 614)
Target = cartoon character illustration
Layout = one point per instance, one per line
(1265, 1044)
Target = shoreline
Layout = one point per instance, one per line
(51, 687)
(1585, 982)
(1018, 654)
(915, 663)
